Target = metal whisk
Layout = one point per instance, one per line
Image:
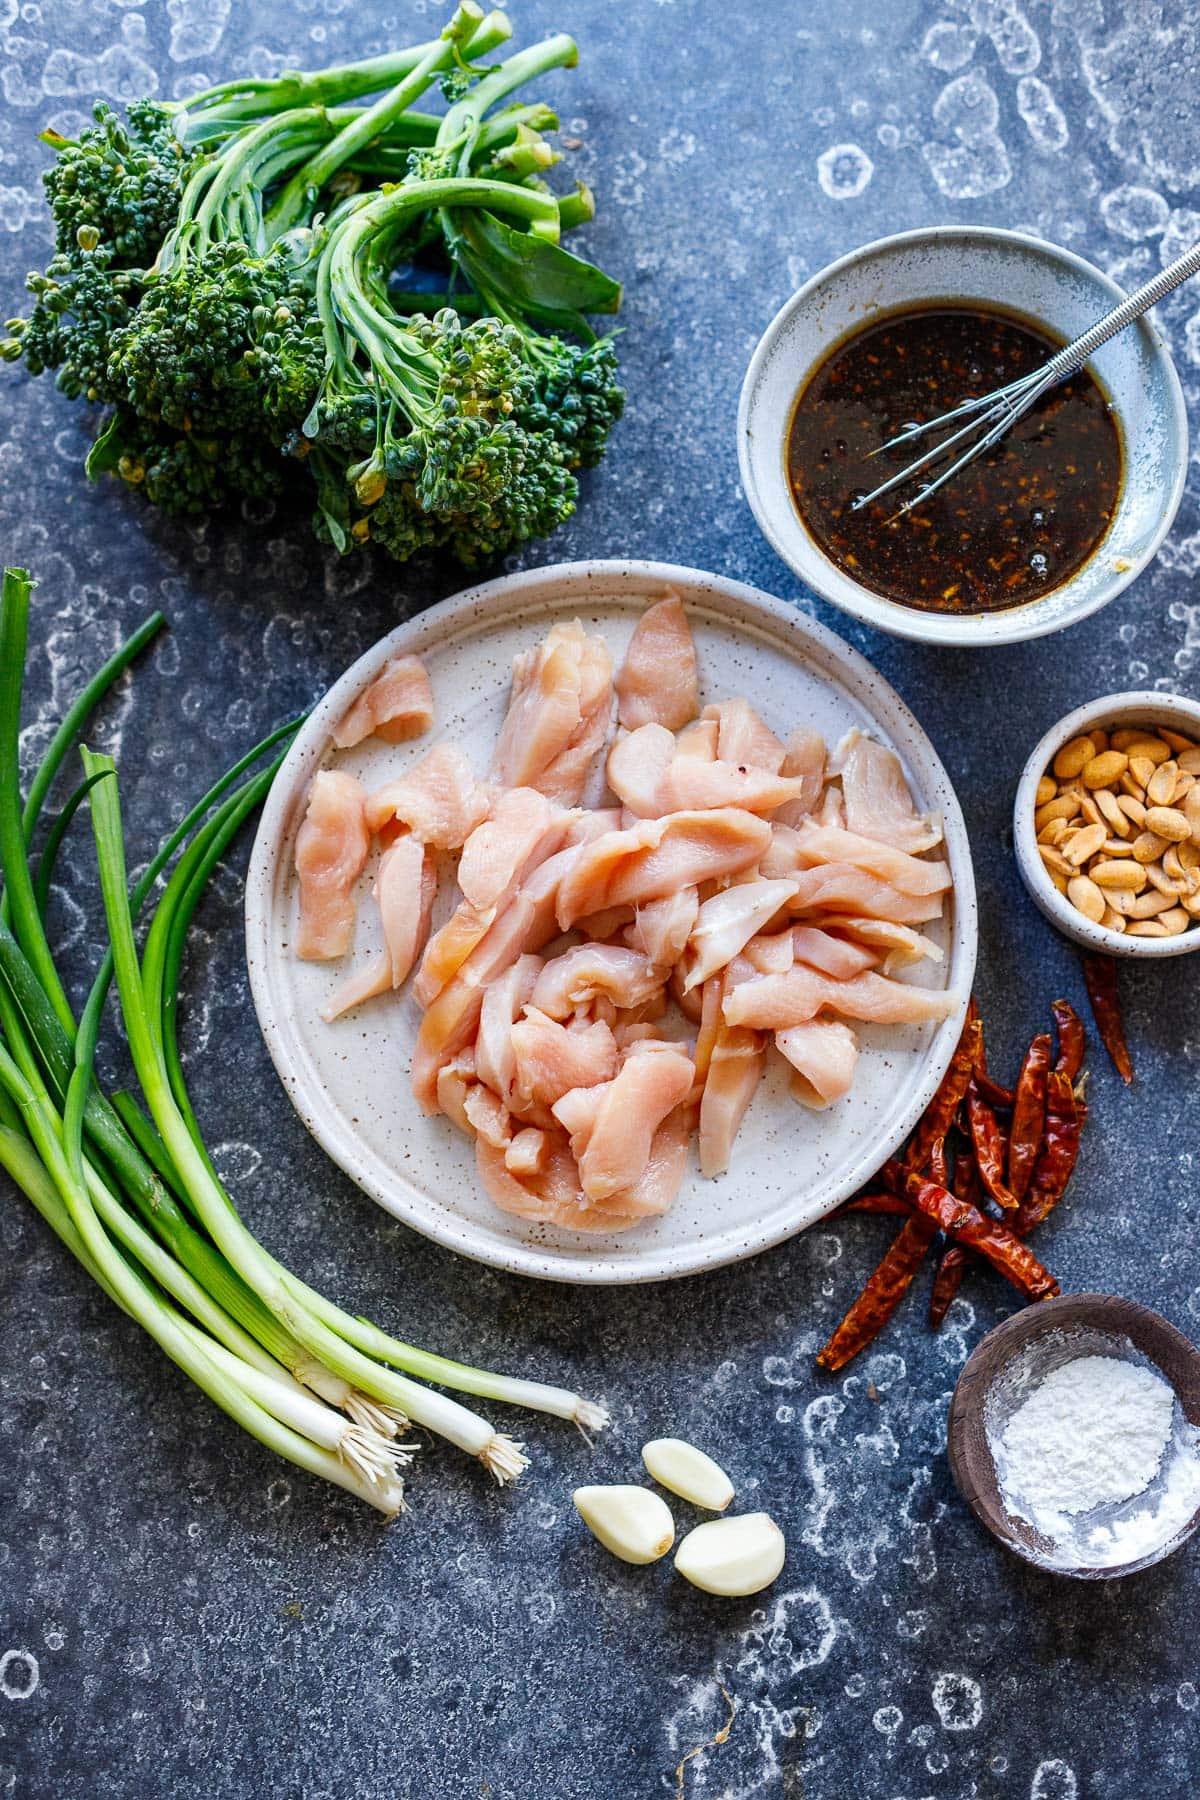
(993, 414)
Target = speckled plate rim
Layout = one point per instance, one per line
(495, 599)
(801, 553)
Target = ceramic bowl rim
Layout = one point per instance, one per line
(1144, 702)
(802, 555)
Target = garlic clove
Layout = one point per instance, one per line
(632, 1522)
(688, 1472)
(732, 1556)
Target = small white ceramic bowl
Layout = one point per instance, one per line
(1049, 286)
(1140, 707)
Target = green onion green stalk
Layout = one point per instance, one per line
(128, 1185)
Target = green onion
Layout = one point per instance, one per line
(133, 1193)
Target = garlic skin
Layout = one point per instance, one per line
(631, 1522)
(688, 1472)
(732, 1557)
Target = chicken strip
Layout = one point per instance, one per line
(331, 853)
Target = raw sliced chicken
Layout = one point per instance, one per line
(453, 1080)
(734, 1071)
(571, 980)
(903, 945)
(525, 925)
(840, 887)
(657, 683)
(559, 715)
(832, 810)
(487, 1115)
(823, 1054)
(727, 922)
(551, 1196)
(655, 1189)
(658, 856)
(911, 874)
(689, 1004)
(782, 856)
(503, 1001)
(805, 762)
(397, 706)
(653, 1080)
(775, 1002)
(831, 955)
(603, 926)
(742, 738)
(527, 1153)
(710, 1022)
(699, 741)
(771, 955)
(645, 773)
(439, 800)
(404, 890)
(549, 1059)
(523, 830)
(877, 799)
(331, 852)
(661, 928)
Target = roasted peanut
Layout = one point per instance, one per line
(1079, 845)
(1126, 877)
(1106, 768)
(1054, 832)
(1151, 749)
(1055, 861)
(1148, 846)
(1064, 807)
(1047, 787)
(1110, 811)
(1169, 823)
(1072, 757)
(1141, 768)
(1133, 809)
(1086, 897)
(1160, 789)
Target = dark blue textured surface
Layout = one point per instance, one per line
(190, 1618)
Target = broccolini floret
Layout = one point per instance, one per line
(229, 278)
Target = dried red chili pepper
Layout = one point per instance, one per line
(1100, 974)
(1056, 1163)
(987, 1141)
(952, 1265)
(929, 1139)
(993, 1093)
(1072, 1039)
(892, 1204)
(975, 1231)
(1029, 1116)
(885, 1288)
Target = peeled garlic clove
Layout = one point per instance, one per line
(633, 1523)
(688, 1472)
(732, 1556)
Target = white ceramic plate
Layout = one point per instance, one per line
(349, 1080)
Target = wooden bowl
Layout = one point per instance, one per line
(1100, 1324)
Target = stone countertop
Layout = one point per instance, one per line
(179, 1614)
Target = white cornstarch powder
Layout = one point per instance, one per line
(1096, 1433)
(1093, 1432)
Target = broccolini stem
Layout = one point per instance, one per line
(251, 99)
(307, 182)
(462, 122)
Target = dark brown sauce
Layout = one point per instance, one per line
(1014, 525)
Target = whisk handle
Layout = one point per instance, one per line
(1073, 355)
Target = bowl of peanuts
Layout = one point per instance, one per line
(1106, 825)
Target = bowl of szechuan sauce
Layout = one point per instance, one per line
(1045, 528)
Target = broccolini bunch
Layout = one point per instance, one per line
(272, 284)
